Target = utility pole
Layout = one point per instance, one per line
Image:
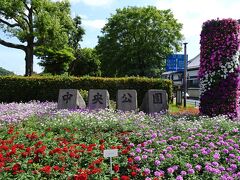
(185, 74)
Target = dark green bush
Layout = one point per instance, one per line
(17, 88)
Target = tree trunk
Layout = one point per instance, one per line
(29, 59)
(30, 44)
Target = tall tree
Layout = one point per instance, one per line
(87, 62)
(35, 23)
(56, 58)
(136, 41)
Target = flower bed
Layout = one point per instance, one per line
(219, 68)
(66, 144)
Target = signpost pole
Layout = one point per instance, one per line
(185, 74)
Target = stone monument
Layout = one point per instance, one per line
(98, 99)
(127, 100)
(154, 101)
(70, 99)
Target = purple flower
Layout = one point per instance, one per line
(179, 177)
(147, 171)
(195, 155)
(144, 156)
(190, 171)
(236, 146)
(188, 165)
(230, 148)
(225, 151)
(138, 150)
(137, 158)
(170, 170)
(154, 135)
(157, 173)
(161, 157)
(232, 155)
(169, 155)
(221, 168)
(215, 164)
(157, 162)
(183, 173)
(198, 167)
(233, 166)
(216, 156)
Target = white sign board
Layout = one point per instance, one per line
(110, 153)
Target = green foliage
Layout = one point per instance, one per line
(136, 41)
(4, 72)
(55, 62)
(76, 34)
(86, 63)
(46, 88)
(38, 23)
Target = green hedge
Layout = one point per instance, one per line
(18, 88)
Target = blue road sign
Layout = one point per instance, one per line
(175, 62)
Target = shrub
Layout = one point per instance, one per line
(46, 88)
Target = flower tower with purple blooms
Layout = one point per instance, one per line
(219, 68)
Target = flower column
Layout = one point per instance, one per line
(219, 68)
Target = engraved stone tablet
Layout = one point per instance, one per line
(154, 101)
(98, 99)
(127, 100)
(70, 99)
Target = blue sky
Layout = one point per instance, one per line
(94, 13)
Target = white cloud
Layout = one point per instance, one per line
(193, 13)
(95, 24)
(93, 2)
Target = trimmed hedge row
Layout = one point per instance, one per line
(24, 89)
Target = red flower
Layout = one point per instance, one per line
(82, 176)
(83, 146)
(16, 167)
(72, 154)
(4, 147)
(119, 147)
(116, 168)
(56, 168)
(2, 164)
(10, 130)
(30, 161)
(125, 178)
(20, 146)
(38, 143)
(41, 150)
(62, 169)
(89, 149)
(130, 160)
(125, 151)
(36, 158)
(65, 149)
(96, 170)
(46, 169)
(25, 154)
(102, 147)
(133, 173)
(28, 149)
(102, 141)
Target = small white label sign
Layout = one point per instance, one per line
(110, 153)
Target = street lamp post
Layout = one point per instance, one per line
(185, 74)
